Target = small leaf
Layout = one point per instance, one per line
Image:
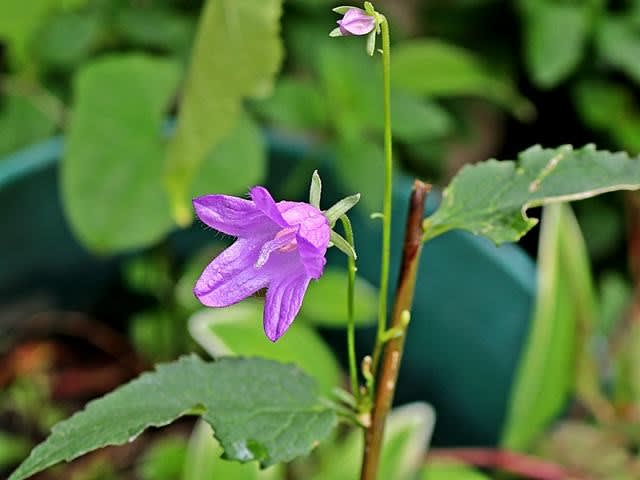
(237, 330)
(295, 104)
(547, 370)
(204, 461)
(315, 190)
(436, 69)
(260, 410)
(555, 39)
(450, 470)
(113, 152)
(341, 207)
(333, 284)
(407, 435)
(618, 42)
(248, 52)
(341, 244)
(491, 198)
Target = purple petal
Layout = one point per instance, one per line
(312, 257)
(265, 203)
(283, 240)
(232, 276)
(231, 215)
(283, 302)
(356, 22)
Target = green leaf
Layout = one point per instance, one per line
(610, 107)
(360, 167)
(68, 38)
(295, 104)
(437, 69)
(333, 284)
(618, 41)
(260, 410)
(164, 460)
(417, 120)
(237, 330)
(236, 54)
(238, 162)
(114, 150)
(12, 449)
(491, 198)
(565, 304)
(450, 470)
(22, 123)
(204, 461)
(407, 435)
(555, 39)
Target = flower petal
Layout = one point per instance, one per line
(312, 257)
(356, 22)
(283, 302)
(285, 239)
(232, 276)
(264, 201)
(231, 215)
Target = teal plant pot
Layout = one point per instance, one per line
(472, 304)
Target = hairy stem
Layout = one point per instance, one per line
(392, 353)
(386, 220)
(351, 323)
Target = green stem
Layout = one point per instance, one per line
(351, 323)
(386, 221)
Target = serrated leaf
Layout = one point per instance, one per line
(555, 358)
(555, 39)
(114, 152)
(437, 69)
(491, 198)
(204, 461)
(333, 284)
(237, 52)
(260, 410)
(237, 330)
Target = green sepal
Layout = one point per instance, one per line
(335, 32)
(315, 190)
(342, 9)
(341, 244)
(371, 42)
(340, 208)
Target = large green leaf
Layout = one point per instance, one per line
(236, 54)
(437, 69)
(618, 42)
(565, 302)
(260, 410)
(491, 198)
(555, 39)
(204, 461)
(111, 174)
(237, 330)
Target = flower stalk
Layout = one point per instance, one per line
(386, 218)
(351, 323)
(394, 346)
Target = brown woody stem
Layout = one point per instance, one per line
(392, 353)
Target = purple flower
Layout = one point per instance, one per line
(280, 246)
(356, 22)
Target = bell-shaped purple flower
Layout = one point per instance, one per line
(280, 246)
(356, 22)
